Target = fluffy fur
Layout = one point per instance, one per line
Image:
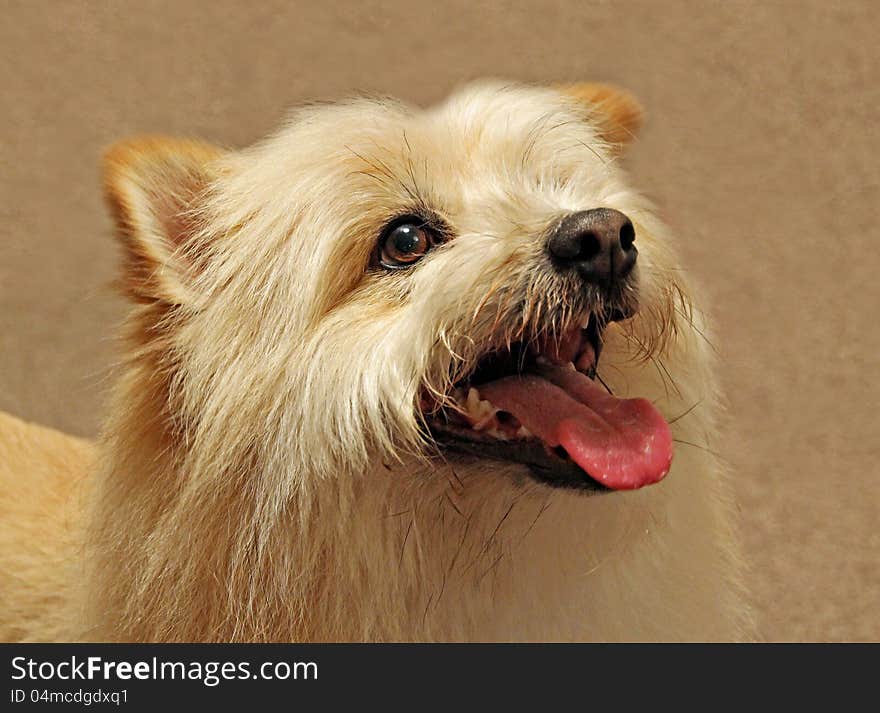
(264, 474)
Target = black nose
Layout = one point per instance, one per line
(597, 243)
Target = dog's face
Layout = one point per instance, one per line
(378, 282)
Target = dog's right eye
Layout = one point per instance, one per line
(405, 243)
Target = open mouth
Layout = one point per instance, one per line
(540, 404)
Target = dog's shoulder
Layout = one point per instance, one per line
(28, 448)
(43, 477)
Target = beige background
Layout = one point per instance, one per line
(762, 147)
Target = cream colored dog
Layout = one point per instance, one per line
(363, 397)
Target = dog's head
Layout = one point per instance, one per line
(378, 282)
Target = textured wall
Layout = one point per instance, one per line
(762, 147)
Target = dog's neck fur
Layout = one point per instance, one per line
(402, 551)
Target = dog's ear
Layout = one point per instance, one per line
(154, 186)
(616, 112)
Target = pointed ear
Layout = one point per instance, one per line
(154, 186)
(617, 113)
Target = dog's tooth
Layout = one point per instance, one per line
(478, 410)
(488, 421)
(485, 416)
(570, 366)
(523, 432)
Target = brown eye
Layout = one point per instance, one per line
(404, 244)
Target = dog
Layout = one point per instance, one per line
(391, 374)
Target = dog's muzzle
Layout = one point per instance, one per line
(540, 403)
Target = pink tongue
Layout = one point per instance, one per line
(621, 443)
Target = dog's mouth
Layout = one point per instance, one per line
(540, 404)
